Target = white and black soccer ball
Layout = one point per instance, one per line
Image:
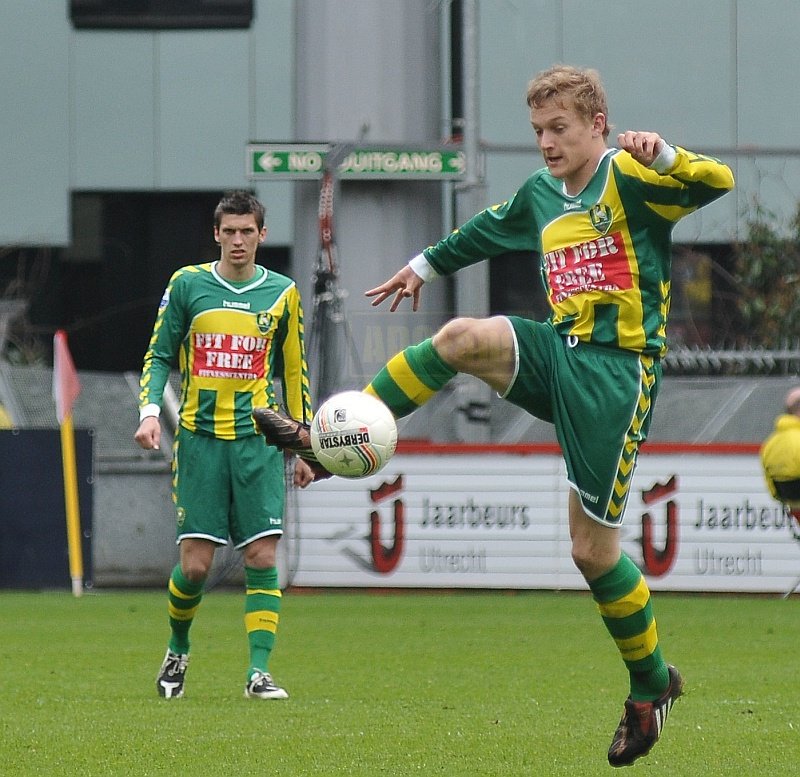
(353, 434)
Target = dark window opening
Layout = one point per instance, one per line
(703, 306)
(105, 288)
(515, 286)
(161, 14)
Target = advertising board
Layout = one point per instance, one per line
(699, 518)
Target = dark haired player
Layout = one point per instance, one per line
(232, 326)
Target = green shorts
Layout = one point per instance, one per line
(225, 488)
(600, 401)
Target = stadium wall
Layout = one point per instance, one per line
(167, 110)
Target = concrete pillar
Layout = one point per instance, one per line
(370, 71)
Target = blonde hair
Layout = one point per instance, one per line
(582, 86)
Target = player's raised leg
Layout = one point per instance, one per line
(410, 378)
(483, 348)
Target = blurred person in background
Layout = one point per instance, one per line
(780, 456)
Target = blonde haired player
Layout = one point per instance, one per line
(600, 221)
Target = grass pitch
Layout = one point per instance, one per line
(456, 684)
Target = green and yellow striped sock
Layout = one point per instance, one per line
(623, 599)
(410, 378)
(184, 599)
(261, 608)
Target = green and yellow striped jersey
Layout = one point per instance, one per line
(604, 253)
(231, 342)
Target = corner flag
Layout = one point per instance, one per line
(66, 388)
(66, 385)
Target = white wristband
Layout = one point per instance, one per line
(420, 265)
(665, 159)
(149, 411)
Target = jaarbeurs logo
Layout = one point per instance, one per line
(657, 562)
(386, 558)
(385, 537)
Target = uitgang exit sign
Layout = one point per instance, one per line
(272, 161)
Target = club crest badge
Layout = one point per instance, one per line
(264, 322)
(600, 216)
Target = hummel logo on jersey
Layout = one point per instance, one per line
(577, 205)
(238, 305)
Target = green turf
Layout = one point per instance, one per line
(464, 684)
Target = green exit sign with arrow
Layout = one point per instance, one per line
(297, 161)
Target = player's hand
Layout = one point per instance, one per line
(303, 474)
(644, 147)
(148, 435)
(404, 285)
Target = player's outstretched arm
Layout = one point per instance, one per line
(404, 284)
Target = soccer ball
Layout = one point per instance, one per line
(353, 434)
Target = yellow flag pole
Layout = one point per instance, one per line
(71, 503)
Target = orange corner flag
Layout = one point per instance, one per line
(66, 385)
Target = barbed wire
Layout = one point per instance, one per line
(744, 361)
